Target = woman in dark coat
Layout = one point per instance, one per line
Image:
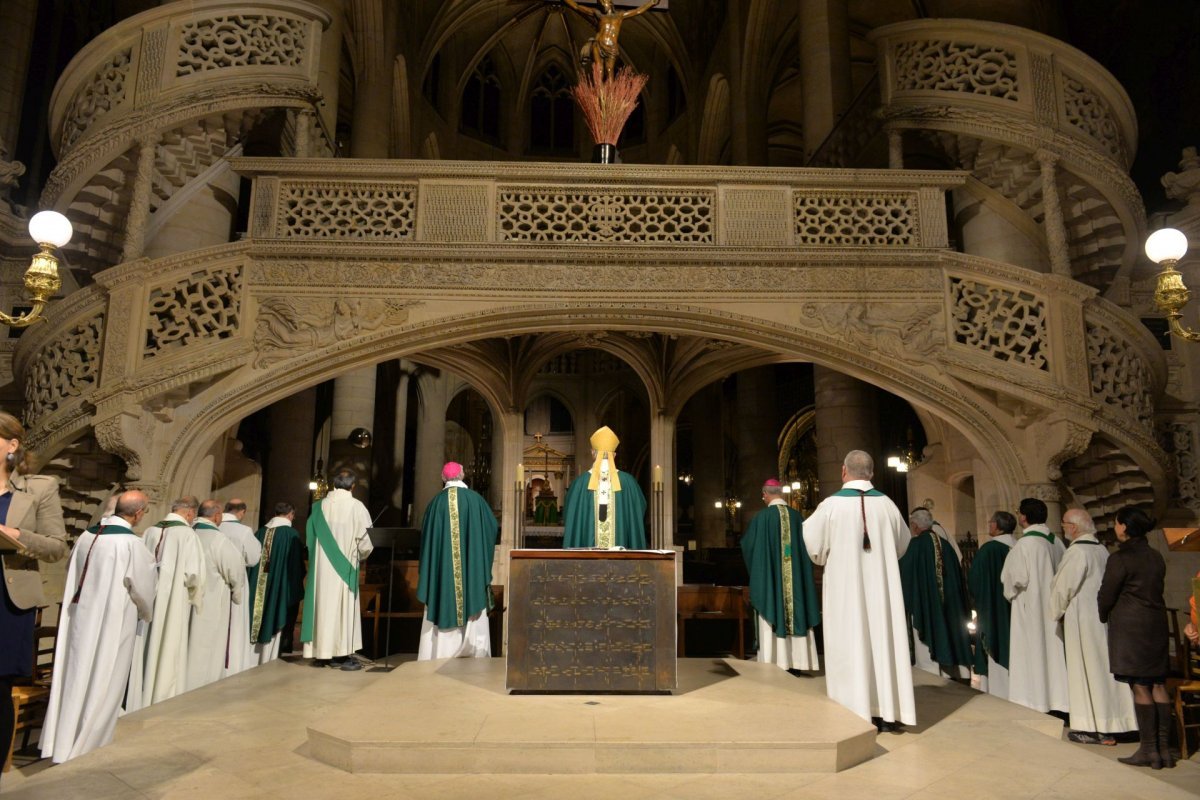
(1131, 602)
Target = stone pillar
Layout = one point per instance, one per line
(17, 19)
(662, 477)
(203, 218)
(431, 439)
(984, 232)
(755, 419)
(292, 421)
(824, 68)
(847, 419)
(399, 438)
(139, 204)
(1056, 230)
(895, 149)
(708, 455)
(375, 43)
(353, 407)
(748, 98)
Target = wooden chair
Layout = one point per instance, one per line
(31, 700)
(1187, 689)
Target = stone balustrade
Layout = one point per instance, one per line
(180, 61)
(1015, 82)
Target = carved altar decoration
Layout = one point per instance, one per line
(289, 326)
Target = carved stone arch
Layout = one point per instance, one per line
(715, 122)
(242, 392)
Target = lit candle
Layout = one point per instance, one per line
(657, 476)
(520, 476)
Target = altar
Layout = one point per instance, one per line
(592, 621)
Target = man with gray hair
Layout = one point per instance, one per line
(1099, 705)
(992, 609)
(934, 601)
(212, 647)
(337, 544)
(860, 535)
(161, 672)
(243, 538)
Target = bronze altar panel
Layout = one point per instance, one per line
(591, 621)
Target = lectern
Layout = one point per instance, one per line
(591, 621)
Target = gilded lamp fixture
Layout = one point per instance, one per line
(1165, 248)
(50, 230)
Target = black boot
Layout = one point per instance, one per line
(1147, 754)
(1164, 735)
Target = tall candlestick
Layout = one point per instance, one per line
(657, 476)
(520, 476)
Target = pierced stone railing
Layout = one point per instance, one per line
(180, 61)
(464, 202)
(994, 76)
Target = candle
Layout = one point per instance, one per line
(520, 476)
(657, 476)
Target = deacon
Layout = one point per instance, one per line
(1099, 704)
(160, 666)
(212, 645)
(992, 609)
(276, 584)
(458, 543)
(1037, 663)
(337, 541)
(605, 506)
(243, 538)
(110, 586)
(860, 535)
(934, 600)
(782, 591)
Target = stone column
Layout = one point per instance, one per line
(824, 68)
(895, 149)
(662, 475)
(375, 44)
(202, 218)
(17, 19)
(431, 440)
(847, 419)
(1056, 230)
(139, 204)
(755, 418)
(708, 469)
(399, 437)
(292, 422)
(353, 407)
(985, 232)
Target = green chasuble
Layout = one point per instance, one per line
(991, 608)
(458, 543)
(934, 598)
(580, 515)
(782, 589)
(276, 582)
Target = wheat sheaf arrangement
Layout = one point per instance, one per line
(606, 105)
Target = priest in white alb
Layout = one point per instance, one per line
(159, 669)
(1037, 663)
(1099, 704)
(243, 538)
(212, 644)
(337, 543)
(859, 535)
(110, 587)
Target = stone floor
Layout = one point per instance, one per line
(246, 737)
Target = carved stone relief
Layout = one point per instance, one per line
(97, 97)
(912, 334)
(289, 326)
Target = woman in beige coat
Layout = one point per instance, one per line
(32, 515)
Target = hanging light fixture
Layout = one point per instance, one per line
(51, 230)
(1166, 248)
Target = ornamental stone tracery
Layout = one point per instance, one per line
(1006, 324)
(534, 214)
(951, 66)
(347, 211)
(880, 220)
(1119, 376)
(104, 92)
(69, 366)
(204, 307)
(240, 40)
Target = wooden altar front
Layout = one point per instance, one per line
(591, 621)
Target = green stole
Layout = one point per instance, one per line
(456, 554)
(861, 494)
(205, 525)
(785, 555)
(260, 585)
(1049, 537)
(318, 532)
(98, 531)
